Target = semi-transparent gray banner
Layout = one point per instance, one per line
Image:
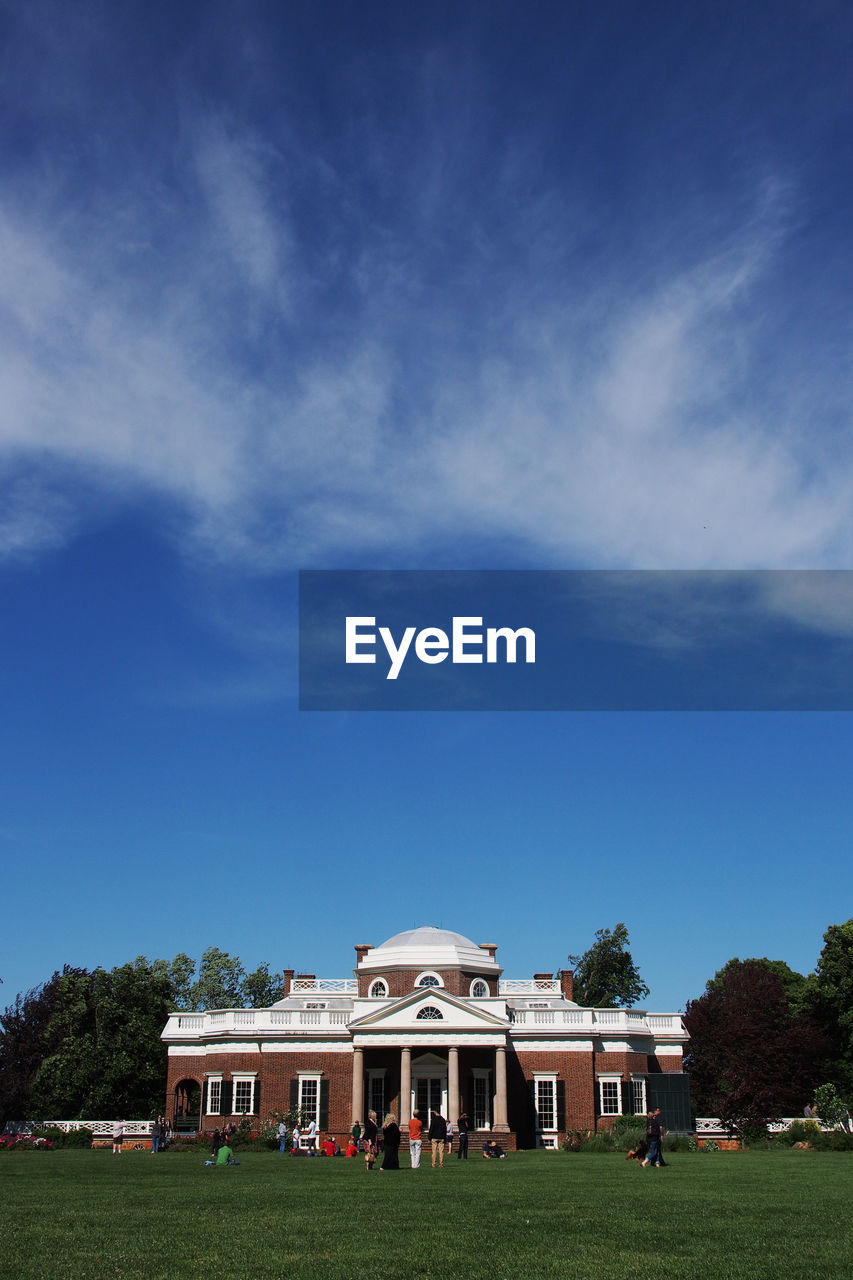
(576, 640)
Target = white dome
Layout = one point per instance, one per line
(429, 948)
(428, 936)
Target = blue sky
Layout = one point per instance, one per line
(424, 286)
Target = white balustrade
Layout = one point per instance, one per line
(527, 987)
(331, 986)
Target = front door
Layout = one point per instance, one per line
(428, 1096)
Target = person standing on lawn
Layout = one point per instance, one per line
(462, 1139)
(118, 1136)
(416, 1128)
(437, 1137)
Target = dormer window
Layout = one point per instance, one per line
(378, 989)
(479, 989)
(428, 980)
(429, 1013)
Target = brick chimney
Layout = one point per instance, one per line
(288, 980)
(567, 982)
(490, 947)
(542, 979)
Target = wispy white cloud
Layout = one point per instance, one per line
(354, 378)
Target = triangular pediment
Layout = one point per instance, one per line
(454, 1013)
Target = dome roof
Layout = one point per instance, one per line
(429, 948)
(428, 936)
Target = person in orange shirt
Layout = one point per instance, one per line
(415, 1143)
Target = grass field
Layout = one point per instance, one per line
(770, 1216)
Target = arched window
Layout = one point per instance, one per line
(479, 989)
(429, 1013)
(428, 980)
(378, 989)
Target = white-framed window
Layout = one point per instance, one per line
(482, 1098)
(638, 1095)
(378, 989)
(428, 979)
(214, 1096)
(610, 1095)
(479, 989)
(315, 1004)
(309, 1094)
(376, 1092)
(429, 1013)
(545, 1089)
(244, 1096)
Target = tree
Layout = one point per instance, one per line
(750, 1057)
(831, 999)
(605, 976)
(829, 1107)
(220, 981)
(23, 1028)
(87, 1044)
(262, 988)
(179, 974)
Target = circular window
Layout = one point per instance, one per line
(429, 1013)
(428, 980)
(378, 989)
(479, 989)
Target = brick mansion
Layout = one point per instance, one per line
(428, 1022)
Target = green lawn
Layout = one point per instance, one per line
(773, 1216)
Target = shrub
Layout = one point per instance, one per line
(24, 1142)
(799, 1131)
(59, 1138)
(835, 1140)
(574, 1139)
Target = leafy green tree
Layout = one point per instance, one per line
(831, 998)
(179, 973)
(262, 988)
(828, 1105)
(220, 981)
(605, 976)
(103, 1054)
(23, 1030)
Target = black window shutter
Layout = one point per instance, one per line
(561, 1105)
(257, 1098)
(204, 1099)
(324, 1105)
(294, 1095)
(531, 1094)
(627, 1098)
(227, 1094)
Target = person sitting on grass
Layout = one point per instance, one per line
(225, 1155)
(639, 1152)
(329, 1146)
(352, 1149)
(491, 1151)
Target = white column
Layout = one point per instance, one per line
(500, 1125)
(405, 1086)
(452, 1083)
(357, 1085)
